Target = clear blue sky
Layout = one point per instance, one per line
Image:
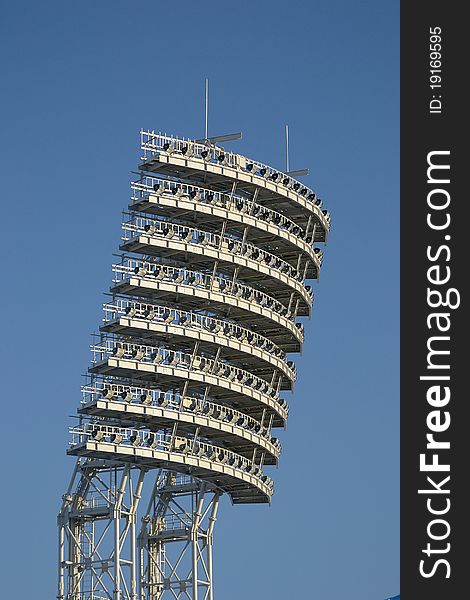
(79, 79)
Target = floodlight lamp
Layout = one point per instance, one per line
(182, 446)
(150, 228)
(126, 395)
(159, 273)
(145, 398)
(97, 434)
(141, 271)
(118, 351)
(186, 150)
(222, 457)
(157, 357)
(207, 410)
(138, 354)
(149, 313)
(130, 311)
(151, 440)
(163, 401)
(167, 316)
(220, 370)
(174, 362)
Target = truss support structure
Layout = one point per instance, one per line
(97, 532)
(176, 539)
(101, 555)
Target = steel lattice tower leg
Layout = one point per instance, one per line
(175, 542)
(97, 532)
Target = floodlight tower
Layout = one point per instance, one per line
(188, 368)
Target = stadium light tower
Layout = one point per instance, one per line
(185, 386)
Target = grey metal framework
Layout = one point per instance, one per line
(188, 369)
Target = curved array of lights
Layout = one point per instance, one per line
(192, 358)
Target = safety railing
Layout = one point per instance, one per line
(195, 279)
(153, 185)
(168, 315)
(99, 432)
(158, 355)
(176, 402)
(153, 143)
(138, 225)
(175, 522)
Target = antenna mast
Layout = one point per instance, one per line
(207, 110)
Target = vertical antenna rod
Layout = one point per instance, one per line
(206, 136)
(287, 148)
(297, 172)
(217, 138)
